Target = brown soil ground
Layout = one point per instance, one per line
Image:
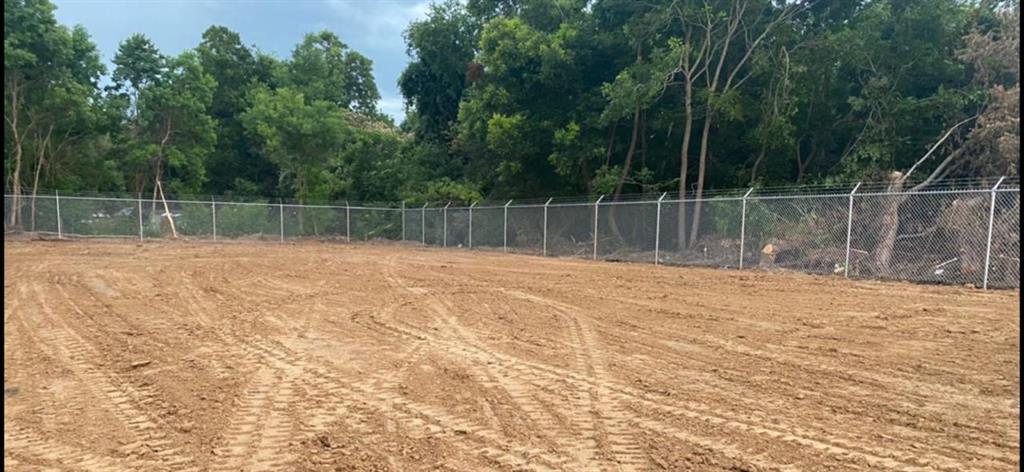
(164, 356)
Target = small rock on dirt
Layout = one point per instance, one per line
(137, 364)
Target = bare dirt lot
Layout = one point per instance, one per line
(167, 356)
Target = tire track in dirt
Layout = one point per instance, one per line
(627, 450)
(332, 410)
(609, 418)
(847, 374)
(896, 411)
(575, 433)
(692, 426)
(614, 420)
(119, 397)
(600, 432)
(841, 439)
(578, 437)
(590, 414)
(422, 419)
(826, 438)
(548, 377)
(692, 411)
(23, 443)
(336, 394)
(906, 385)
(257, 436)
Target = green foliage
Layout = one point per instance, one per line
(446, 190)
(606, 178)
(442, 47)
(520, 98)
(323, 68)
(298, 135)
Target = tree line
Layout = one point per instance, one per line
(522, 98)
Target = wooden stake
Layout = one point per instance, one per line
(167, 211)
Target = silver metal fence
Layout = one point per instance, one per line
(946, 234)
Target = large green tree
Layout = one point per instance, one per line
(169, 134)
(234, 167)
(50, 75)
(324, 68)
(299, 135)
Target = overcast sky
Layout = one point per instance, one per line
(372, 27)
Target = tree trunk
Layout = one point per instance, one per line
(585, 169)
(14, 219)
(626, 166)
(35, 191)
(302, 199)
(629, 154)
(705, 143)
(611, 143)
(40, 156)
(889, 224)
(684, 163)
(156, 180)
(158, 161)
(643, 140)
(757, 164)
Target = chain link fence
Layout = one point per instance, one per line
(953, 233)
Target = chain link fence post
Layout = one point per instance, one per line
(213, 205)
(444, 225)
(991, 222)
(141, 237)
(471, 224)
(60, 229)
(544, 251)
(504, 239)
(403, 221)
(849, 231)
(657, 229)
(743, 226)
(597, 204)
(348, 222)
(280, 208)
(423, 224)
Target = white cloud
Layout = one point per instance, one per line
(382, 21)
(393, 107)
